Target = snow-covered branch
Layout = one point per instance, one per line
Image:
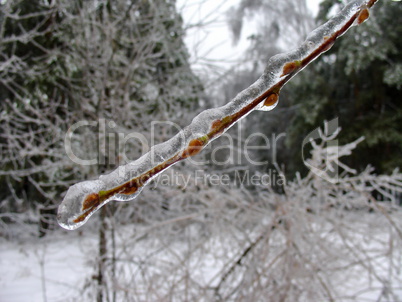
(126, 182)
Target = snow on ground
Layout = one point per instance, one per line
(43, 269)
(57, 267)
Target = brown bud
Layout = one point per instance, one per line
(91, 201)
(216, 124)
(271, 100)
(363, 15)
(290, 67)
(194, 147)
(133, 185)
(217, 127)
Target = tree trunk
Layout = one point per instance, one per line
(102, 255)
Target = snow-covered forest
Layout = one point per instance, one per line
(274, 192)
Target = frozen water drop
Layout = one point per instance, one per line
(270, 102)
(363, 15)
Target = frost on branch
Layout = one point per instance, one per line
(126, 182)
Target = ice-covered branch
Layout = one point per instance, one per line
(126, 182)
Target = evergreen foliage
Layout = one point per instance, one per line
(359, 81)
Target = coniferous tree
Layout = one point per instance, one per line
(34, 94)
(359, 81)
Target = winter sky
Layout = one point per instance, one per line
(211, 43)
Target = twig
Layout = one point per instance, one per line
(279, 71)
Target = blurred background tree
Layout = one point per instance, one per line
(35, 102)
(66, 61)
(272, 27)
(359, 81)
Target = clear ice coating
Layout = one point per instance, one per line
(70, 208)
(85, 198)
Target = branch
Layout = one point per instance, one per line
(127, 181)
